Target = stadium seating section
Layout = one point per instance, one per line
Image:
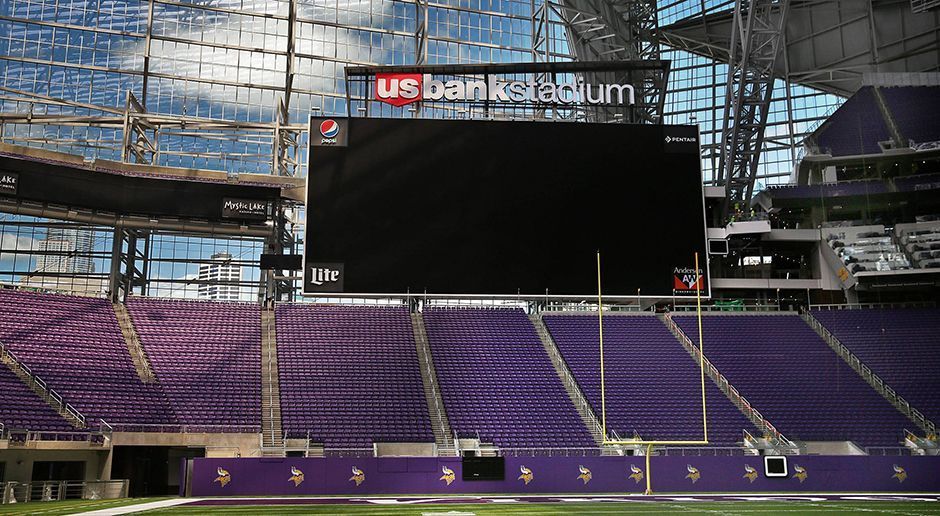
(22, 409)
(860, 124)
(75, 345)
(912, 108)
(922, 241)
(867, 249)
(207, 357)
(652, 385)
(349, 376)
(855, 128)
(900, 346)
(792, 376)
(498, 382)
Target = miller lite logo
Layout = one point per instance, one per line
(324, 277)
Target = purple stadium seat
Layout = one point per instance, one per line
(792, 376)
(653, 386)
(75, 345)
(914, 111)
(207, 358)
(855, 128)
(498, 382)
(899, 345)
(22, 409)
(350, 375)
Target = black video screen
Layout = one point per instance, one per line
(506, 208)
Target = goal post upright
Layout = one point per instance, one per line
(650, 444)
(600, 335)
(701, 348)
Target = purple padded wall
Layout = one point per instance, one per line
(797, 382)
(553, 475)
(75, 345)
(900, 346)
(498, 382)
(207, 358)
(350, 375)
(653, 385)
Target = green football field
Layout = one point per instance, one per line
(639, 507)
(713, 508)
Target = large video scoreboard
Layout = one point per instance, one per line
(502, 208)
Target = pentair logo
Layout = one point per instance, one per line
(329, 128)
(680, 139)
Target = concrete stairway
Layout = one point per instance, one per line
(443, 436)
(52, 398)
(134, 347)
(272, 435)
(591, 421)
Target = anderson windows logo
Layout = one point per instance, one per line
(400, 89)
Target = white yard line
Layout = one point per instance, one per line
(127, 509)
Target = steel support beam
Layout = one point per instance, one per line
(756, 41)
(130, 249)
(606, 30)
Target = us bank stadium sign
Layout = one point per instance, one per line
(609, 84)
(399, 89)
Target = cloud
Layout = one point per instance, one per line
(13, 242)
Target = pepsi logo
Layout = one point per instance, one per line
(329, 128)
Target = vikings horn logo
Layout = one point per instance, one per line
(526, 475)
(585, 474)
(751, 473)
(358, 476)
(448, 475)
(694, 474)
(296, 476)
(224, 476)
(899, 473)
(637, 474)
(800, 473)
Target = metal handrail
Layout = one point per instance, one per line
(185, 429)
(555, 356)
(271, 379)
(34, 381)
(55, 490)
(865, 372)
(431, 374)
(726, 386)
(755, 307)
(550, 452)
(862, 306)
